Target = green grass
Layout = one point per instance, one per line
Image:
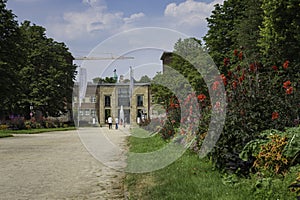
(9, 133)
(4, 134)
(189, 177)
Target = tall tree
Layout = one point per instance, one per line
(10, 60)
(221, 37)
(47, 74)
(280, 33)
(248, 30)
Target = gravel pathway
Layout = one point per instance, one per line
(56, 165)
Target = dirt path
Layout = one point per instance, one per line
(56, 166)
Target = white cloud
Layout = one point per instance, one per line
(189, 15)
(93, 3)
(134, 17)
(94, 22)
(91, 22)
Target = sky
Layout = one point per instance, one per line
(142, 29)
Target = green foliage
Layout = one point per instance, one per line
(191, 178)
(271, 158)
(145, 79)
(292, 150)
(280, 31)
(104, 80)
(266, 29)
(35, 70)
(275, 151)
(295, 185)
(10, 60)
(247, 29)
(251, 149)
(223, 24)
(48, 72)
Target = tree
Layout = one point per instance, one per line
(144, 79)
(280, 32)
(10, 60)
(248, 30)
(98, 80)
(221, 37)
(47, 73)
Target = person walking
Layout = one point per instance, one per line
(117, 122)
(109, 120)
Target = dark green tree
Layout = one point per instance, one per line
(47, 73)
(221, 37)
(280, 32)
(248, 30)
(144, 79)
(11, 58)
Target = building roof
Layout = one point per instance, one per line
(166, 54)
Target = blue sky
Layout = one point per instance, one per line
(84, 24)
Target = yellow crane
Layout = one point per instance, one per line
(112, 57)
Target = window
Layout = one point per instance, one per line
(123, 97)
(93, 112)
(93, 99)
(107, 101)
(81, 112)
(140, 99)
(87, 112)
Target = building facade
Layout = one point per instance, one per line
(108, 99)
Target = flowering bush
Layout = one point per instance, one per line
(259, 98)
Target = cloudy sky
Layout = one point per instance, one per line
(88, 27)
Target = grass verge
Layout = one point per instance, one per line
(192, 178)
(9, 133)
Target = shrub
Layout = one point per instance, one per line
(259, 98)
(3, 127)
(271, 158)
(17, 123)
(295, 186)
(274, 151)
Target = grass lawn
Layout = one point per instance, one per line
(9, 133)
(189, 177)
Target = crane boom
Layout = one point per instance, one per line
(104, 58)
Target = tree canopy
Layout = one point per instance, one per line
(36, 71)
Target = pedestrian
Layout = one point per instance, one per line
(117, 122)
(109, 120)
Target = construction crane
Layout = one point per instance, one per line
(112, 57)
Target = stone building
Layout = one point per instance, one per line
(166, 58)
(106, 99)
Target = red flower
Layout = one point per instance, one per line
(289, 90)
(223, 77)
(235, 52)
(242, 78)
(234, 84)
(286, 64)
(287, 84)
(229, 73)
(275, 115)
(201, 97)
(215, 85)
(226, 61)
(252, 67)
(275, 68)
(241, 55)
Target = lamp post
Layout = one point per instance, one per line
(31, 110)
